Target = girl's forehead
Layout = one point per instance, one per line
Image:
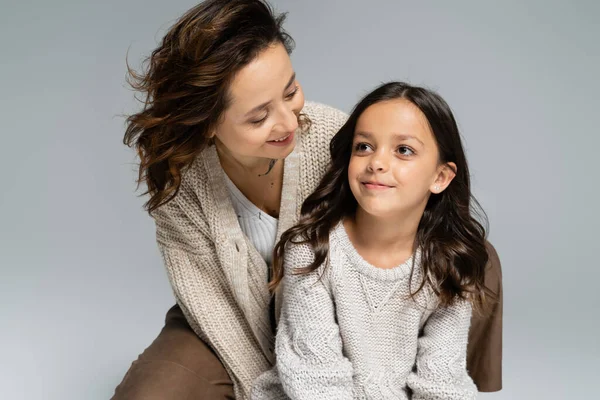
(395, 119)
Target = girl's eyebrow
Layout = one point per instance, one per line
(363, 134)
(401, 136)
(398, 136)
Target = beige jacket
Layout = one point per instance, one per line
(218, 277)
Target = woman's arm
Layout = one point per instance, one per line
(441, 371)
(206, 300)
(484, 353)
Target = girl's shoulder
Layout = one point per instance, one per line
(298, 251)
(300, 254)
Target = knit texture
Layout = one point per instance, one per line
(219, 279)
(351, 331)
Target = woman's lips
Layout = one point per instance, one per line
(284, 141)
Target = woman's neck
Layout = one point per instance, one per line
(236, 164)
(259, 179)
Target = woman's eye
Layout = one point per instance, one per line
(259, 121)
(405, 151)
(292, 94)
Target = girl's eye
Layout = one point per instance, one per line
(361, 147)
(405, 151)
(259, 121)
(292, 94)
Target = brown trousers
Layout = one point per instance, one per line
(180, 366)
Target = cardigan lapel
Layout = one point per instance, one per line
(224, 225)
(289, 209)
(233, 252)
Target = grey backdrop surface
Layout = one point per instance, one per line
(82, 287)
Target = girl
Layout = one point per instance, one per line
(381, 272)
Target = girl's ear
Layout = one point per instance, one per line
(445, 173)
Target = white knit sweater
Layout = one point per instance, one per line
(217, 276)
(351, 331)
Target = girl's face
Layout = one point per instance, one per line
(262, 118)
(394, 166)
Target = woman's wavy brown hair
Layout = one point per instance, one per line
(185, 86)
(452, 241)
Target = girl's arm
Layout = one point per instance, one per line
(310, 362)
(441, 371)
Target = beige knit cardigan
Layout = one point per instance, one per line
(218, 278)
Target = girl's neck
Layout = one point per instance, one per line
(383, 242)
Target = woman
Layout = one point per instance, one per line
(228, 152)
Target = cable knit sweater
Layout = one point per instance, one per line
(218, 278)
(350, 331)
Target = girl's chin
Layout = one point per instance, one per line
(380, 212)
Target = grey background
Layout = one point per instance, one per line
(82, 286)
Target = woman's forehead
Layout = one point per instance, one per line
(262, 80)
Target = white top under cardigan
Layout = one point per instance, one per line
(257, 225)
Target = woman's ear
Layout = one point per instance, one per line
(445, 173)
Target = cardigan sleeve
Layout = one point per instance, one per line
(205, 299)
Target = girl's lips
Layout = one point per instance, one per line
(286, 140)
(376, 186)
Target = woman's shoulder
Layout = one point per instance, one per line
(320, 111)
(325, 120)
(182, 221)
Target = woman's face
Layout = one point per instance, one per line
(262, 118)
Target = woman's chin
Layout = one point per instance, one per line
(281, 152)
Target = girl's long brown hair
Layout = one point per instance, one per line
(451, 239)
(185, 86)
